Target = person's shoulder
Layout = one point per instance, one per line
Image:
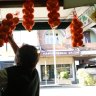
(35, 69)
(11, 67)
(35, 72)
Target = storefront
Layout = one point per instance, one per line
(47, 68)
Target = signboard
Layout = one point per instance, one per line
(60, 53)
(86, 19)
(77, 3)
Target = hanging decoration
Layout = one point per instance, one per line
(76, 31)
(6, 28)
(28, 10)
(53, 15)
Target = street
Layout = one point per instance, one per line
(68, 91)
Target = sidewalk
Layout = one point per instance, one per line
(60, 86)
(67, 90)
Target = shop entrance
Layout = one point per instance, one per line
(47, 72)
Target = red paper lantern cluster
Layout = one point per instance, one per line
(7, 26)
(28, 10)
(53, 15)
(76, 32)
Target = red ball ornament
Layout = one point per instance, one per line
(53, 15)
(80, 43)
(1, 42)
(5, 28)
(74, 44)
(4, 21)
(50, 4)
(9, 16)
(54, 23)
(15, 20)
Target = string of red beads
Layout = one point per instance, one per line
(28, 10)
(53, 15)
(76, 32)
(6, 28)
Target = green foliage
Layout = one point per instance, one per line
(64, 74)
(89, 80)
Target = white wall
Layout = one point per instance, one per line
(20, 38)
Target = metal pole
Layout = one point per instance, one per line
(54, 54)
(45, 73)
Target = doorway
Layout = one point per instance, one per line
(47, 72)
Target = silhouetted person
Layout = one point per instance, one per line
(21, 79)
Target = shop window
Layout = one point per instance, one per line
(49, 38)
(62, 67)
(87, 38)
(47, 73)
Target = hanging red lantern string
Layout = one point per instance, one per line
(76, 31)
(28, 10)
(7, 26)
(53, 15)
(2, 36)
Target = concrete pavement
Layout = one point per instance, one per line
(68, 90)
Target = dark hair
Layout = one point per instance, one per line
(28, 56)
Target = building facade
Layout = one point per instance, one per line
(57, 55)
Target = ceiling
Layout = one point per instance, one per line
(40, 13)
